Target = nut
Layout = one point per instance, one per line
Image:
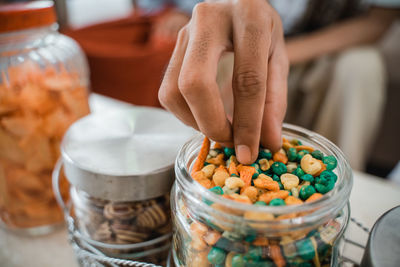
(208, 170)
(291, 166)
(310, 165)
(295, 192)
(234, 182)
(264, 164)
(219, 177)
(289, 180)
(258, 216)
(251, 192)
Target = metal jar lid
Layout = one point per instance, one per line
(125, 155)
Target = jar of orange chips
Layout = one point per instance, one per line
(43, 90)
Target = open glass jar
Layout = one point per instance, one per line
(43, 90)
(214, 231)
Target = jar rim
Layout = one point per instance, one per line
(327, 206)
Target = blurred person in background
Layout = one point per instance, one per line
(336, 84)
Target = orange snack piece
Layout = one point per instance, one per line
(201, 158)
(268, 196)
(246, 173)
(314, 197)
(278, 156)
(36, 108)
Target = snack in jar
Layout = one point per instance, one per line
(120, 167)
(43, 90)
(289, 208)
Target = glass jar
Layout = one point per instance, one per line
(214, 231)
(120, 167)
(43, 90)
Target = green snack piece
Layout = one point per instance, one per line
(251, 236)
(238, 261)
(306, 191)
(264, 153)
(305, 249)
(268, 172)
(228, 151)
(217, 190)
(323, 189)
(301, 154)
(330, 162)
(308, 178)
(254, 253)
(276, 178)
(234, 175)
(329, 176)
(317, 154)
(260, 203)
(216, 256)
(277, 202)
(278, 168)
(290, 192)
(298, 172)
(292, 154)
(281, 187)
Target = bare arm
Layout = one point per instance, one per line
(361, 30)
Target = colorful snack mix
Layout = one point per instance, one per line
(295, 175)
(298, 167)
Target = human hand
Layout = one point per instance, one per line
(253, 30)
(168, 25)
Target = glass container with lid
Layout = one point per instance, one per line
(120, 166)
(214, 231)
(43, 90)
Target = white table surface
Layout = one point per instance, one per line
(370, 198)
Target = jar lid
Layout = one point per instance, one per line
(125, 155)
(383, 248)
(21, 16)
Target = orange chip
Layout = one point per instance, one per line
(38, 152)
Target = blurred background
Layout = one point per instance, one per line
(128, 44)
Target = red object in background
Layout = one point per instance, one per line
(125, 62)
(27, 15)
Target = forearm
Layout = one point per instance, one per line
(361, 30)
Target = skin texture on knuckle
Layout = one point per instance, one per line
(192, 84)
(248, 84)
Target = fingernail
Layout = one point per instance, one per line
(243, 153)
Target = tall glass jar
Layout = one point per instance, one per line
(43, 90)
(214, 231)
